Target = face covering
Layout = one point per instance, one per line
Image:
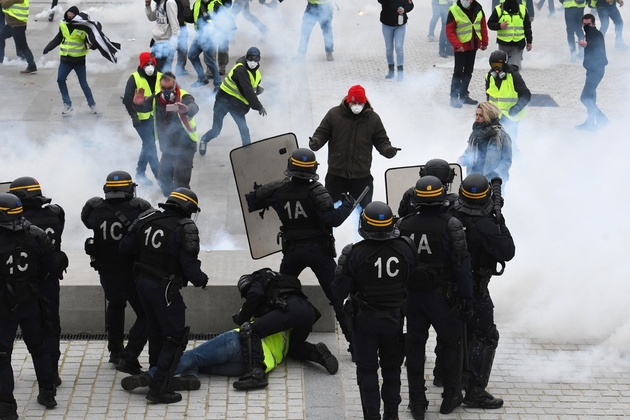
(252, 64)
(149, 70)
(356, 108)
(168, 95)
(466, 3)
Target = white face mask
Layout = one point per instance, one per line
(252, 64)
(466, 3)
(149, 70)
(357, 108)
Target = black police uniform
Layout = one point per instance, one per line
(375, 274)
(443, 263)
(25, 253)
(110, 219)
(406, 206)
(51, 218)
(167, 246)
(488, 243)
(307, 213)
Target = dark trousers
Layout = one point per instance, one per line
(148, 152)
(573, 20)
(426, 309)
(29, 320)
(225, 104)
(175, 170)
(300, 316)
(62, 77)
(337, 185)
(611, 12)
(378, 342)
(462, 73)
(119, 289)
(316, 256)
(50, 290)
(480, 325)
(19, 36)
(589, 93)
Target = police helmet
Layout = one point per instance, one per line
(184, 199)
(377, 222)
(302, 164)
(498, 56)
(119, 185)
(25, 187)
(474, 196)
(243, 284)
(439, 168)
(10, 207)
(429, 191)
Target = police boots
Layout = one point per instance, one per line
(390, 71)
(159, 393)
(418, 407)
(8, 411)
(390, 414)
(184, 383)
(46, 397)
(130, 383)
(451, 400)
(477, 397)
(257, 378)
(324, 357)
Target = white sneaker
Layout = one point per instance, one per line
(93, 109)
(67, 109)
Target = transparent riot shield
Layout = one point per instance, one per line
(399, 180)
(4, 186)
(259, 163)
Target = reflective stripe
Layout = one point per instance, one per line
(143, 83)
(72, 44)
(573, 4)
(229, 86)
(18, 11)
(464, 27)
(504, 98)
(515, 31)
(188, 123)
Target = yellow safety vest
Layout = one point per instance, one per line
(515, 31)
(191, 128)
(143, 83)
(504, 98)
(72, 44)
(275, 348)
(19, 11)
(197, 12)
(572, 3)
(464, 25)
(229, 86)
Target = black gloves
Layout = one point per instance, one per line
(391, 152)
(136, 121)
(347, 198)
(514, 110)
(259, 90)
(239, 319)
(262, 111)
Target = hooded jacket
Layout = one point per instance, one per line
(56, 41)
(350, 139)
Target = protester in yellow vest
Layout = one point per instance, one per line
(173, 111)
(317, 11)
(148, 78)
(514, 29)
(73, 47)
(507, 90)
(16, 18)
(237, 95)
(573, 12)
(466, 31)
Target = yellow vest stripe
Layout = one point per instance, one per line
(515, 31)
(464, 26)
(504, 98)
(18, 11)
(143, 83)
(229, 86)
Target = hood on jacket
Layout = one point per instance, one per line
(346, 107)
(73, 9)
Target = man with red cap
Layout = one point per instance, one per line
(148, 78)
(351, 129)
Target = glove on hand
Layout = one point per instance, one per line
(348, 199)
(391, 152)
(262, 111)
(237, 319)
(513, 111)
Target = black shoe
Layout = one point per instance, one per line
(203, 147)
(130, 366)
(390, 72)
(467, 100)
(56, 380)
(324, 357)
(222, 72)
(8, 411)
(351, 351)
(479, 398)
(47, 398)
(29, 71)
(184, 383)
(456, 103)
(418, 408)
(130, 383)
(115, 357)
(451, 400)
(257, 378)
(167, 397)
(390, 414)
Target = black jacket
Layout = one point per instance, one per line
(511, 7)
(130, 90)
(595, 51)
(389, 11)
(524, 94)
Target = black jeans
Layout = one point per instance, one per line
(589, 93)
(462, 73)
(19, 36)
(175, 170)
(336, 185)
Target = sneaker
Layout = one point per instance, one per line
(93, 109)
(56, 380)
(47, 398)
(298, 58)
(51, 16)
(184, 383)
(167, 397)
(222, 72)
(203, 147)
(324, 357)
(467, 100)
(130, 383)
(199, 83)
(257, 378)
(329, 56)
(29, 71)
(479, 398)
(130, 365)
(456, 103)
(451, 400)
(432, 38)
(67, 109)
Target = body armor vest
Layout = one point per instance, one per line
(154, 236)
(382, 283)
(483, 263)
(297, 212)
(48, 220)
(433, 267)
(109, 230)
(19, 270)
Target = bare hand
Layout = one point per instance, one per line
(503, 25)
(147, 3)
(460, 49)
(620, 3)
(483, 47)
(138, 97)
(582, 43)
(183, 108)
(529, 47)
(401, 10)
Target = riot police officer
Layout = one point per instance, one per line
(276, 303)
(51, 218)
(24, 250)
(110, 218)
(307, 213)
(438, 168)
(489, 242)
(374, 273)
(167, 247)
(440, 283)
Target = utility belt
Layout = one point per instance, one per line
(449, 292)
(354, 308)
(326, 241)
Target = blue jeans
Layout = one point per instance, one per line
(182, 48)
(223, 105)
(313, 14)
(589, 92)
(394, 39)
(435, 15)
(164, 55)
(62, 76)
(573, 20)
(148, 153)
(21, 45)
(445, 47)
(606, 12)
(203, 44)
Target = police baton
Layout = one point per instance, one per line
(361, 197)
(496, 192)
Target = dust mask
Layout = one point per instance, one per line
(356, 108)
(466, 3)
(252, 64)
(149, 69)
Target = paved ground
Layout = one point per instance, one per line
(561, 307)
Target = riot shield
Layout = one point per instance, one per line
(399, 180)
(261, 162)
(4, 186)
